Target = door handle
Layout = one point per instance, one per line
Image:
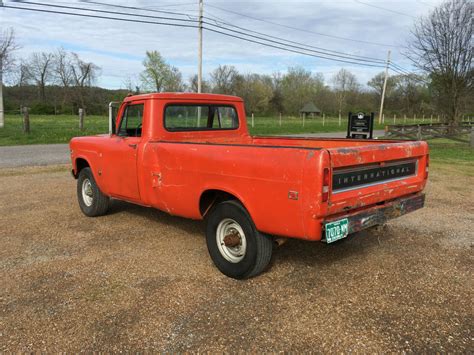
(134, 146)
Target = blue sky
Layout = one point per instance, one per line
(119, 47)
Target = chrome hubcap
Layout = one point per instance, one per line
(87, 194)
(231, 240)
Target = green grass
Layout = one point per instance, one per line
(47, 129)
(446, 151)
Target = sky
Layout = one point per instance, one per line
(118, 48)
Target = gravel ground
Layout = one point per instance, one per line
(138, 279)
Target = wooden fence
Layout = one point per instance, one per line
(432, 130)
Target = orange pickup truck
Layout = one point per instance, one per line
(191, 155)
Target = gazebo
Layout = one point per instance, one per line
(310, 109)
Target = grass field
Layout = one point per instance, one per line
(46, 129)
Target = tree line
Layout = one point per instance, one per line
(61, 82)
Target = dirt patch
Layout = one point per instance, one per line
(139, 279)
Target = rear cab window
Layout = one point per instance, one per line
(194, 117)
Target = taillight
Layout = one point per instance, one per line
(325, 194)
(427, 166)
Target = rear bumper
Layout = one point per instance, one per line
(376, 215)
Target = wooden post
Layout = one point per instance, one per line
(340, 120)
(405, 118)
(26, 120)
(418, 133)
(383, 117)
(324, 118)
(472, 137)
(394, 119)
(253, 122)
(414, 117)
(438, 118)
(304, 116)
(431, 119)
(423, 119)
(280, 119)
(81, 119)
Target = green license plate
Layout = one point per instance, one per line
(337, 230)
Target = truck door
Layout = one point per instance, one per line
(122, 152)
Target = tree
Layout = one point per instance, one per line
(83, 75)
(298, 87)
(376, 83)
(193, 84)
(256, 91)
(344, 82)
(441, 45)
(7, 46)
(40, 67)
(158, 75)
(63, 72)
(225, 79)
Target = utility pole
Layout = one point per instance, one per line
(201, 8)
(384, 87)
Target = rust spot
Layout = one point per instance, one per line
(232, 239)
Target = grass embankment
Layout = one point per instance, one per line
(46, 129)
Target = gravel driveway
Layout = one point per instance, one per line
(138, 279)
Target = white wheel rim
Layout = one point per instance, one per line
(227, 227)
(87, 194)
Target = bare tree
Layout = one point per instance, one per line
(40, 68)
(344, 82)
(7, 46)
(442, 46)
(83, 75)
(63, 72)
(224, 79)
(193, 84)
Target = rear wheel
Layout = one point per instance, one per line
(91, 200)
(237, 249)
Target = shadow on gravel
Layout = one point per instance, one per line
(186, 225)
(296, 252)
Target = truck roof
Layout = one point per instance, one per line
(183, 95)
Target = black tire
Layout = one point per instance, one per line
(99, 204)
(259, 247)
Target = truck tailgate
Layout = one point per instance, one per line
(373, 174)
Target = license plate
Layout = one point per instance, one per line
(337, 230)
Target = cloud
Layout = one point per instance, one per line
(119, 47)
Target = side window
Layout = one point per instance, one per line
(200, 117)
(131, 123)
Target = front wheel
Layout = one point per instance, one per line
(91, 200)
(237, 249)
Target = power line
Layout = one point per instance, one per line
(347, 59)
(383, 8)
(290, 50)
(98, 16)
(303, 30)
(326, 51)
(136, 8)
(106, 12)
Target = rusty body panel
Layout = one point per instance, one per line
(279, 180)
